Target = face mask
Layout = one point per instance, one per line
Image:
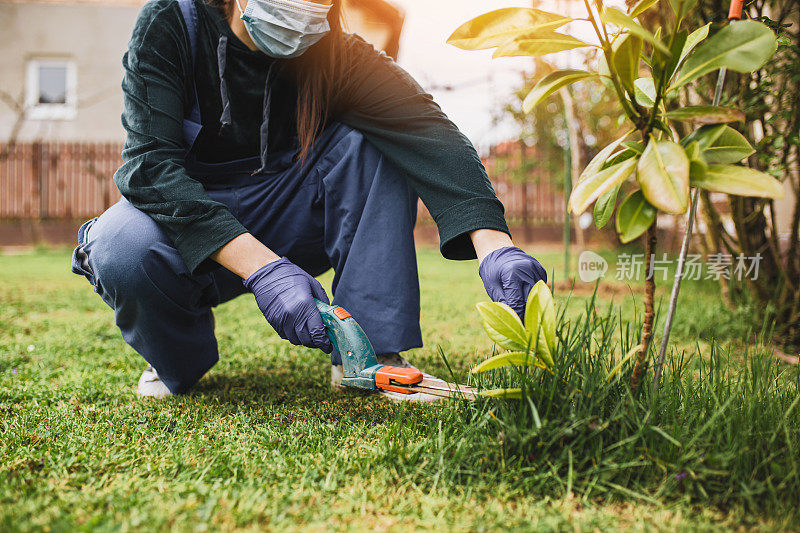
(285, 28)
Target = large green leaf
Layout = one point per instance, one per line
(641, 7)
(634, 146)
(497, 27)
(588, 190)
(634, 216)
(742, 46)
(597, 162)
(697, 163)
(645, 91)
(612, 15)
(550, 84)
(740, 181)
(681, 7)
(663, 175)
(506, 394)
(604, 207)
(508, 359)
(720, 144)
(670, 64)
(540, 318)
(705, 114)
(625, 58)
(619, 157)
(538, 44)
(503, 326)
(667, 63)
(694, 38)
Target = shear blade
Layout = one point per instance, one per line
(438, 387)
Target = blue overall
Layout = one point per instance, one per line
(347, 208)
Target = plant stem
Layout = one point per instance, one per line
(662, 81)
(649, 310)
(605, 44)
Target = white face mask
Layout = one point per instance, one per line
(285, 28)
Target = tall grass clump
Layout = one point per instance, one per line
(723, 429)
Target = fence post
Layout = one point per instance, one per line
(43, 156)
(524, 177)
(37, 190)
(36, 172)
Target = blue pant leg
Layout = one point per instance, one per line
(163, 312)
(349, 208)
(370, 211)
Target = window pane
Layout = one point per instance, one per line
(52, 84)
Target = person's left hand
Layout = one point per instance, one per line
(509, 274)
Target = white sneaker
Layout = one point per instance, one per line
(337, 374)
(150, 385)
(389, 359)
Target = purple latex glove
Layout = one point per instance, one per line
(285, 294)
(509, 274)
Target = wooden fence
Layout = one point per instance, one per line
(57, 180)
(43, 181)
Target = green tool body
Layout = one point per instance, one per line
(360, 367)
(359, 363)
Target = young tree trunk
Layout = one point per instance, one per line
(649, 309)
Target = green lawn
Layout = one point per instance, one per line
(264, 443)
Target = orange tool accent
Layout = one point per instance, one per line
(341, 313)
(735, 13)
(402, 376)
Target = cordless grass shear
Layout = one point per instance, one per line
(361, 368)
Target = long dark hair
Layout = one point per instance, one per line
(317, 73)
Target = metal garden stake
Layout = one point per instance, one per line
(735, 13)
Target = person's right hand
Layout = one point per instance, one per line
(285, 295)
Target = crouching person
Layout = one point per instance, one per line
(265, 147)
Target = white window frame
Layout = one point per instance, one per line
(37, 111)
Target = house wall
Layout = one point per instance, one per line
(95, 37)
